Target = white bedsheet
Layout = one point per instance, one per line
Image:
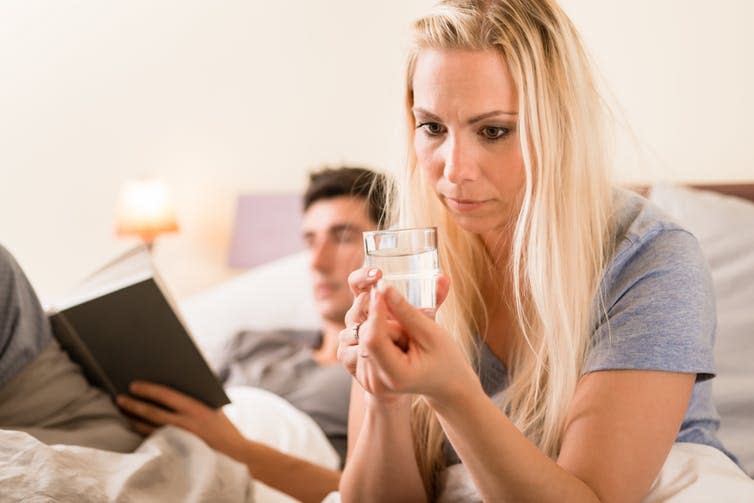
(171, 465)
(692, 473)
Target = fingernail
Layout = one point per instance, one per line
(371, 273)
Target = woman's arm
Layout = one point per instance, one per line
(381, 462)
(621, 426)
(294, 476)
(619, 429)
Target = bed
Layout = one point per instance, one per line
(175, 466)
(720, 215)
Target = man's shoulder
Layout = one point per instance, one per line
(250, 342)
(297, 336)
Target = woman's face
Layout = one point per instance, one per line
(466, 142)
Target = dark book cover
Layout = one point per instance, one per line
(133, 333)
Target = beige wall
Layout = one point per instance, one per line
(222, 97)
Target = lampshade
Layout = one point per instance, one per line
(266, 227)
(145, 210)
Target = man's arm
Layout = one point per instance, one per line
(294, 476)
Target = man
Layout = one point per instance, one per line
(301, 366)
(43, 393)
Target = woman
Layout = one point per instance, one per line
(574, 345)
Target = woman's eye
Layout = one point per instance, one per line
(494, 132)
(431, 128)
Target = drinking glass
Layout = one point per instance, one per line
(408, 261)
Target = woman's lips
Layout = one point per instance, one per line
(464, 205)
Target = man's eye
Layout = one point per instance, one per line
(432, 128)
(494, 132)
(346, 237)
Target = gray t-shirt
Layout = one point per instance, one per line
(281, 361)
(658, 313)
(24, 328)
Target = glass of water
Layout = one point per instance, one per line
(408, 261)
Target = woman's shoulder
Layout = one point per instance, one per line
(645, 237)
(656, 304)
(656, 263)
(636, 220)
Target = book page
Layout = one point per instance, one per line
(131, 267)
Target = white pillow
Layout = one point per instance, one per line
(275, 295)
(265, 417)
(724, 226)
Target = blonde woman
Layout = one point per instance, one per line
(574, 347)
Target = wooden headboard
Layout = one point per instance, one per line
(744, 190)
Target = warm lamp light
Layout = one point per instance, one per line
(144, 210)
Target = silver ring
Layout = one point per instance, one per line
(355, 331)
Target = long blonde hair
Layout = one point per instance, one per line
(560, 235)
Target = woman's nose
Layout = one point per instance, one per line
(459, 164)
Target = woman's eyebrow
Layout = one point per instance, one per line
(473, 120)
(493, 113)
(425, 113)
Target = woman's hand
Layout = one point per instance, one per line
(362, 281)
(430, 364)
(180, 410)
(388, 335)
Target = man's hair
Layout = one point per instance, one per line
(361, 183)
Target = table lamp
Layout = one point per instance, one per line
(144, 210)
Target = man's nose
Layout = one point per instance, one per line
(321, 257)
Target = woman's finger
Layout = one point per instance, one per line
(411, 319)
(377, 338)
(349, 336)
(396, 334)
(362, 280)
(385, 346)
(443, 288)
(359, 310)
(348, 356)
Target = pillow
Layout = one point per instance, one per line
(265, 417)
(724, 226)
(274, 295)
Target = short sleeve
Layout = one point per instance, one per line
(657, 307)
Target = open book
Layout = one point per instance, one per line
(120, 325)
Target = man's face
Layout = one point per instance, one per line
(332, 231)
